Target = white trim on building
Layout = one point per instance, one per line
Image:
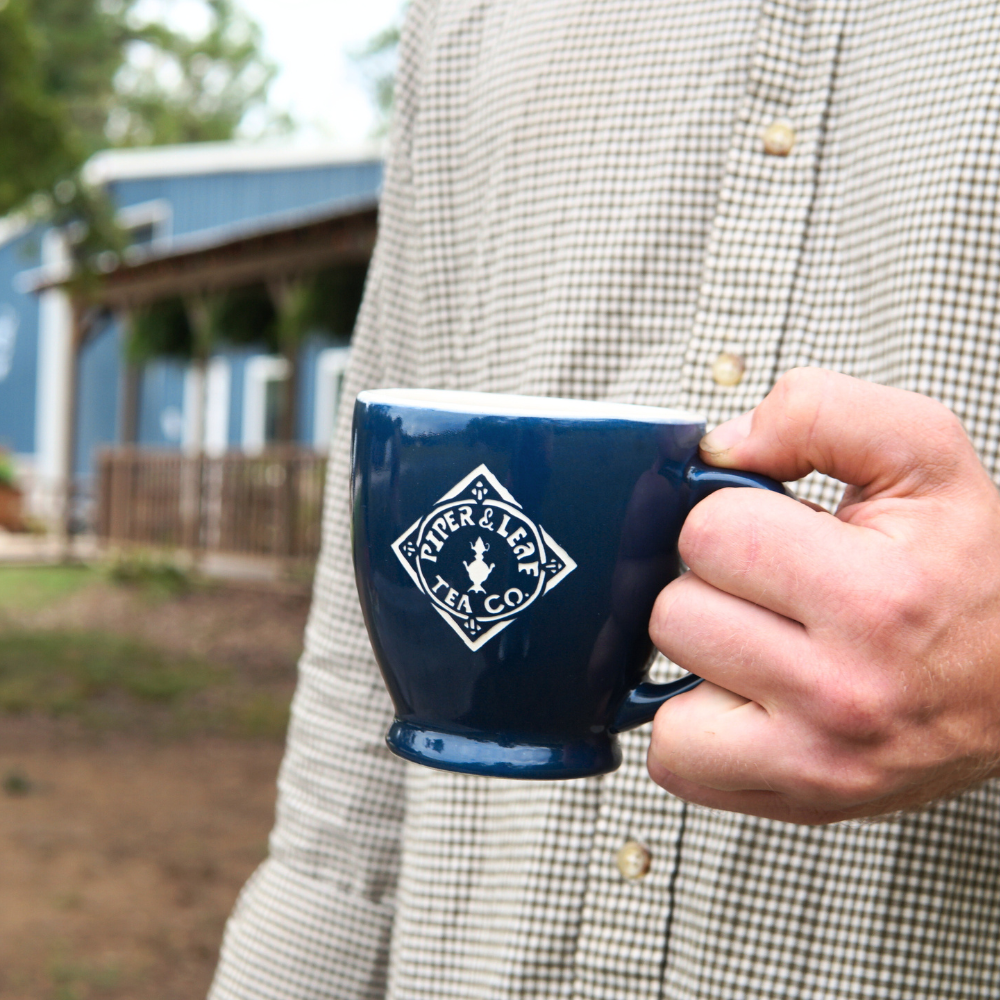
(330, 368)
(193, 427)
(52, 401)
(9, 324)
(219, 380)
(157, 214)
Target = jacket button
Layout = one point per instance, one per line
(779, 138)
(728, 369)
(633, 860)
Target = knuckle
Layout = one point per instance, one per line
(943, 431)
(840, 784)
(942, 419)
(951, 423)
(912, 601)
(800, 380)
(943, 443)
(802, 387)
(892, 606)
(903, 606)
(798, 395)
(857, 713)
(853, 785)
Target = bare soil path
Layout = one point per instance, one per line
(123, 847)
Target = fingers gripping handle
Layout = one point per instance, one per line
(703, 479)
(641, 704)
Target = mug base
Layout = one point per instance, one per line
(578, 757)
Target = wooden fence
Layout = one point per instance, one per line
(268, 504)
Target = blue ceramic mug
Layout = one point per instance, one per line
(508, 551)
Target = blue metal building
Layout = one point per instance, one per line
(166, 197)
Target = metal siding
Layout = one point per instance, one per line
(161, 388)
(198, 202)
(237, 373)
(203, 201)
(97, 397)
(19, 388)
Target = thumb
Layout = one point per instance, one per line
(879, 439)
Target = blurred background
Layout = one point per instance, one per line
(188, 204)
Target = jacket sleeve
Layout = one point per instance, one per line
(316, 918)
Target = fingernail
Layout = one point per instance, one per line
(727, 435)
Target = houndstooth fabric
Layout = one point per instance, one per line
(579, 203)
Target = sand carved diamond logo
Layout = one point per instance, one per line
(480, 559)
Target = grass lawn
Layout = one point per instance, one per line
(107, 679)
(32, 587)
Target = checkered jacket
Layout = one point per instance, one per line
(579, 202)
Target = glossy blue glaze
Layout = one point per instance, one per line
(507, 566)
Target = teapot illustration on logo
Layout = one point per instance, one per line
(527, 567)
(478, 571)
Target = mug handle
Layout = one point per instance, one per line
(641, 704)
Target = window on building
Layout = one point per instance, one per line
(147, 223)
(275, 394)
(265, 383)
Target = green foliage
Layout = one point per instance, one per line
(121, 79)
(326, 302)
(8, 474)
(246, 317)
(153, 572)
(176, 89)
(377, 62)
(81, 48)
(160, 330)
(260, 715)
(36, 149)
(108, 682)
(334, 300)
(16, 783)
(79, 75)
(80, 980)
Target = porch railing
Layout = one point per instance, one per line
(267, 504)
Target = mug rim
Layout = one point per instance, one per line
(505, 404)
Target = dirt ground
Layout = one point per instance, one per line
(122, 851)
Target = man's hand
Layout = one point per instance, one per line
(851, 662)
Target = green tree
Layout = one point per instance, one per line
(124, 81)
(81, 45)
(377, 62)
(79, 75)
(174, 88)
(36, 150)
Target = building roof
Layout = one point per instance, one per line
(278, 246)
(220, 158)
(245, 229)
